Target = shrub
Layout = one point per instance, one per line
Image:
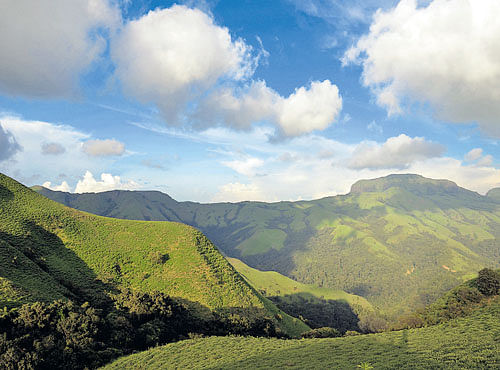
(325, 332)
(488, 282)
(158, 258)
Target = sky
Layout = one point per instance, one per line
(228, 100)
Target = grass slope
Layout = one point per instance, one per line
(472, 342)
(272, 283)
(49, 251)
(399, 241)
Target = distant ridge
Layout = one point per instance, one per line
(399, 241)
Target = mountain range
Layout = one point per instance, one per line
(399, 241)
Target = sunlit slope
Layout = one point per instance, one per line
(399, 241)
(272, 283)
(466, 343)
(49, 251)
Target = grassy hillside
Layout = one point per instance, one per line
(318, 306)
(466, 343)
(399, 241)
(49, 251)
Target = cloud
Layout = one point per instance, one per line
(198, 75)
(171, 55)
(108, 182)
(151, 164)
(237, 192)
(444, 54)
(247, 167)
(397, 152)
(487, 160)
(103, 148)
(310, 109)
(62, 187)
(303, 111)
(474, 154)
(52, 149)
(373, 126)
(28, 165)
(8, 144)
(46, 47)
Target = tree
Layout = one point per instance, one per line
(488, 282)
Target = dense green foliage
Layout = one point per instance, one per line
(399, 241)
(459, 302)
(472, 342)
(50, 252)
(62, 334)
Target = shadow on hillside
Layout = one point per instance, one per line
(49, 253)
(318, 312)
(5, 193)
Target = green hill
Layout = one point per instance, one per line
(320, 307)
(471, 342)
(49, 252)
(398, 241)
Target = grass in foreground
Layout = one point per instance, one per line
(472, 342)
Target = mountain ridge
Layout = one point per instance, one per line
(408, 239)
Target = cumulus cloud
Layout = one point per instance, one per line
(103, 148)
(8, 144)
(108, 182)
(170, 55)
(45, 47)
(64, 186)
(444, 54)
(474, 154)
(192, 69)
(247, 167)
(397, 152)
(52, 149)
(310, 109)
(303, 111)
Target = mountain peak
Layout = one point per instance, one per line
(410, 182)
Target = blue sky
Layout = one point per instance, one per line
(248, 100)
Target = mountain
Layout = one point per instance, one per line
(466, 343)
(494, 194)
(398, 241)
(49, 251)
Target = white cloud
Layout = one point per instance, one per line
(30, 167)
(52, 149)
(108, 182)
(8, 144)
(487, 160)
(237, 192)
(46, 46)
(303, 111)
(397, 152)
(445, 54)
(247, 167)
(64, 186)
(171, 55)
(191, 68)
(474, 154)
(310, 109)
(103, 148)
